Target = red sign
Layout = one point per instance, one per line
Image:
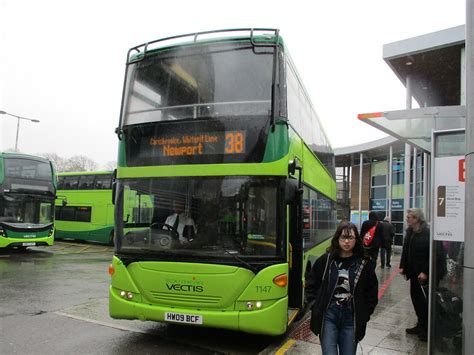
(462, 170)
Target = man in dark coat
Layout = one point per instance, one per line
(414, 265)
(388, 233)
(373, 249)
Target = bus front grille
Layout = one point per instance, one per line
(179, 297)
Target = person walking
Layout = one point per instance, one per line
(388, 233)
(342, 289)
(414, 265)
(372, 245)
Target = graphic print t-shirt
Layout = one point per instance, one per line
(342, 291)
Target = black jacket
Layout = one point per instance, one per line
(373, 250)
(320, 290)
(388, 232)
(416, 252)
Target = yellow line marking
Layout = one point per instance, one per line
(285, 347)
(292, 316)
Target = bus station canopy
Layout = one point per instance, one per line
(432, 68)
(415, 126)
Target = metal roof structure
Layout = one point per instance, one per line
(433, 61)
(432, 67)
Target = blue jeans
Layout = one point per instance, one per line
(338, 331)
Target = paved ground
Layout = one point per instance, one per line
(385, 331)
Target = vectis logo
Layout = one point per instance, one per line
(185, 288)
(185, 285)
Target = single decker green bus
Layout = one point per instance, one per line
(219, 133)
(27, 193)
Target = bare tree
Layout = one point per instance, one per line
(110, 165)
(59, 162)
(80, 163)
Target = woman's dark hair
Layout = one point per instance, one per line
(334, 248)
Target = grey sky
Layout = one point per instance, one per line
(62, 62)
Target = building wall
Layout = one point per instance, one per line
(375, 188)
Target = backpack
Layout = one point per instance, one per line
(369, 236)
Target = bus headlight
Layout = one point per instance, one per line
(252, 305)
(127, 295)
(2, 232)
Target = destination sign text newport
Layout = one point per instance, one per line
(229, 142)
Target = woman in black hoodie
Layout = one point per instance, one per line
(344, 291)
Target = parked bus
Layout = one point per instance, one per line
(84, 208)
(220, 123)
(27, 192)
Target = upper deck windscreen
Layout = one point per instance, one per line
(199, 81)
(28, 169)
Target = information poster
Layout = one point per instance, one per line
(449, 206)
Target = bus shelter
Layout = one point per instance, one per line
(439, 131)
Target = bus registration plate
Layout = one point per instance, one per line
(183, 318)
(29, 244)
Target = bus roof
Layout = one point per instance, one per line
(23, 156)
(75, 173)
(262, 37)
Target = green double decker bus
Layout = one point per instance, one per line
(218, 132)
(27, 192)
(84, 208)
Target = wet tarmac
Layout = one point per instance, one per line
(55, 300)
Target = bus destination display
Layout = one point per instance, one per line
(209, 143)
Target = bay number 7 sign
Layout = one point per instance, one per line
(449, 182)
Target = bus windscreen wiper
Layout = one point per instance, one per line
(242, 261)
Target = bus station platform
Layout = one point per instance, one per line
(386, 329)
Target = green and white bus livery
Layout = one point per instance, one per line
(219, 124)
(27, 192)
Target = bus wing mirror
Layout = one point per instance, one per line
(63, 200)
(293, 166)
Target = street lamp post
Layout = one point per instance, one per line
(18, 125)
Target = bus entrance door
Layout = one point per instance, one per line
(295, 286)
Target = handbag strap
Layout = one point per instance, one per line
(359, 271)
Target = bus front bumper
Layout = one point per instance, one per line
(271, 320)
(17, 242)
